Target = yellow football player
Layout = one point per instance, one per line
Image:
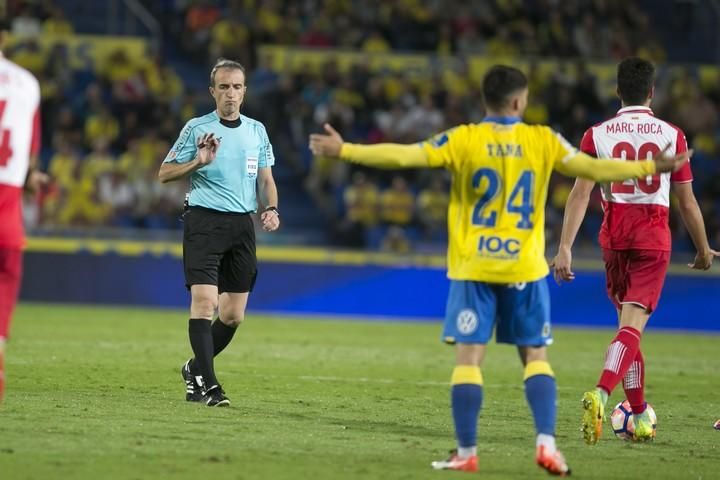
(500, 169)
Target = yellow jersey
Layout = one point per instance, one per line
(501, 169)
(496, 217)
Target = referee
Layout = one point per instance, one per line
(227, 156)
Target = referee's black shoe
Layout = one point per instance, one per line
(193, 387)
(215, 397)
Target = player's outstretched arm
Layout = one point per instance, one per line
(615, 169)
(575, 210)
(381, 155)
(693, 220)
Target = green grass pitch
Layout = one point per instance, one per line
(95, 393)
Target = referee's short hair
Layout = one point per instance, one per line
(499, 83)
(224, 63)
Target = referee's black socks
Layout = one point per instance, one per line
(221, 335)
(201, 341)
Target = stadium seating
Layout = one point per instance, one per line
(371, 82)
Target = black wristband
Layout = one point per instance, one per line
(272, 209)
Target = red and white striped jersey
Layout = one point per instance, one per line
(636, 212)
(19, 139)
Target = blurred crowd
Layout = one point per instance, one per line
(375, 108)
(107, 128)
(589, 28)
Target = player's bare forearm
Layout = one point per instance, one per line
(171, 171)
(575, 210)
(692, 217)
(385, 155)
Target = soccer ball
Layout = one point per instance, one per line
(622, 420)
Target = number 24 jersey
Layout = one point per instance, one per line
(500, 169)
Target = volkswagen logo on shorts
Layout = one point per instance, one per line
(467, 321)
(546, 329)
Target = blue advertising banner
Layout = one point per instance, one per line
(341, 285)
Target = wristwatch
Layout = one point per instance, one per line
(272, 209)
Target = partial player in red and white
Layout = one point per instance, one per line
(19, 146)
(635, 236)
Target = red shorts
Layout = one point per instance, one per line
(635, 276)
(10, 275)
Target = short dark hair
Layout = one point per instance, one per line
(224, 63)
(499, 83)
(635, 80)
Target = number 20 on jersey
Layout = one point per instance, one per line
(626, 150)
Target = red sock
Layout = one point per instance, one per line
(618, 358)
(634, 384)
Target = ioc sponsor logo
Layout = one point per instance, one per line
(497, 245)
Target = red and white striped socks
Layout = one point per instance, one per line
(621, 355)
(634, 384)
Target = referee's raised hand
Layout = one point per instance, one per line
(207, 148)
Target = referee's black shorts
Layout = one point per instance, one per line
(219, 249)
